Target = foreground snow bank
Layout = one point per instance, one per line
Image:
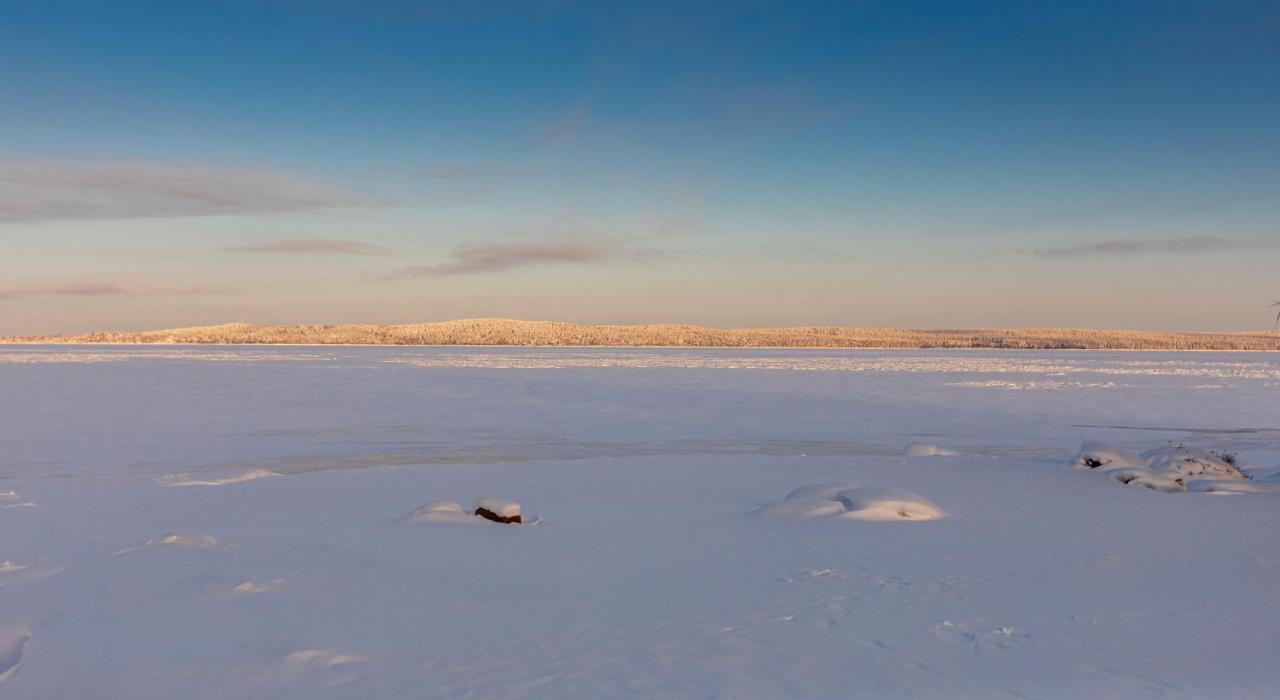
(848, 502)
(1173, 468)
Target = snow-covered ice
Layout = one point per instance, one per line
(652, 574)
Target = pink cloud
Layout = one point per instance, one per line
(489, 257)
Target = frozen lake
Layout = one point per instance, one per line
(227, 522)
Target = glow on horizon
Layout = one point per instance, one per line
(1108, 165)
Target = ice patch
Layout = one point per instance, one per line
(184, 541)
(845, 502)
(259, 587)
(16, 571)
(11, 499)
(12, 641)
(188, 480)
(926, 449)
(178, 540)
(325, 668)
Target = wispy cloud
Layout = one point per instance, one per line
(1143, 246)
(72, 289)
(491, 257)
(308, 246)
(41, 190)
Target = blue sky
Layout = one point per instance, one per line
(1108, 164)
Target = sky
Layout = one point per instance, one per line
(742, 164)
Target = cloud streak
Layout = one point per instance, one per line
(37, 191)
(73, 289)
(1145, 246)
(491, 257)
(309, 246)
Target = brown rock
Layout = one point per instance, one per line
(490, 515)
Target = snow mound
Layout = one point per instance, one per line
(450, 512)
(926, 449)
(887, 504)
(1170, 469)
(1182, 462)
(12, 640)
(184, 540)
(824, 491)
(1096, 455)
(803, 508)
(846, 502)
(1147, 479)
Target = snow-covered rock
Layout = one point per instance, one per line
(927, 449)
(498, 510)
(1167, 469)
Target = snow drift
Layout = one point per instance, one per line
(849, 502)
